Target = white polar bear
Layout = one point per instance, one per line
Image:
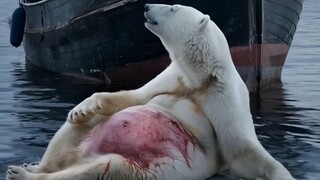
(189, 122)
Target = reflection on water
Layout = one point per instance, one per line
(287, 132)
(34, 103)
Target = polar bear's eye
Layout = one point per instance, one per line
(174, 8)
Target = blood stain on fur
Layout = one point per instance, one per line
(108, 166)
(142, 135)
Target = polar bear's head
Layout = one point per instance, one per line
(191, 38)
(173, 22)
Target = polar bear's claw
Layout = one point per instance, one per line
(79, 117)
(84, 111)
(16, 173)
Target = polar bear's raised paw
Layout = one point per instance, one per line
(84, 111)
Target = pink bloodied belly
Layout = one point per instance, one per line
(142, 135)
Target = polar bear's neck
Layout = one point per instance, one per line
(219, 55)
(204, 55)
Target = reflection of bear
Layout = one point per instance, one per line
(170, 135)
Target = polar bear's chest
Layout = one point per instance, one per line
(140, 134)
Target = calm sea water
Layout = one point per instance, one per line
(34, 103)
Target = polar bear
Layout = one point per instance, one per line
(190, 122)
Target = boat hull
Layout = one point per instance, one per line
(107, 40)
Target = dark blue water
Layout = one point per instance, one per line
(34, 103)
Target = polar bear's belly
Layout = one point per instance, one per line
(141, 134)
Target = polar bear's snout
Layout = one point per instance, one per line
(146, 7)
(148, 15)
(159, 17)
(149, 19)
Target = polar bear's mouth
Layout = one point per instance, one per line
(150, 20)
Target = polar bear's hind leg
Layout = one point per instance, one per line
(105, 167)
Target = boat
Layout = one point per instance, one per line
(105, 41)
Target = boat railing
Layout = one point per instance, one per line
(32, 2)
(78, 18)
(107, 8)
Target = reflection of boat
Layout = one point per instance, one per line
(106, 39)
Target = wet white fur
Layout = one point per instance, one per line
(201, 75)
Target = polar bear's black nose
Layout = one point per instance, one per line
(146, 7)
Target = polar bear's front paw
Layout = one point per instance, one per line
(84, 111)
(17, 173)
(32, 167)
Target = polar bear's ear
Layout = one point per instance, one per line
(204, 21)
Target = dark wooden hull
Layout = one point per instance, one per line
(107, 40)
